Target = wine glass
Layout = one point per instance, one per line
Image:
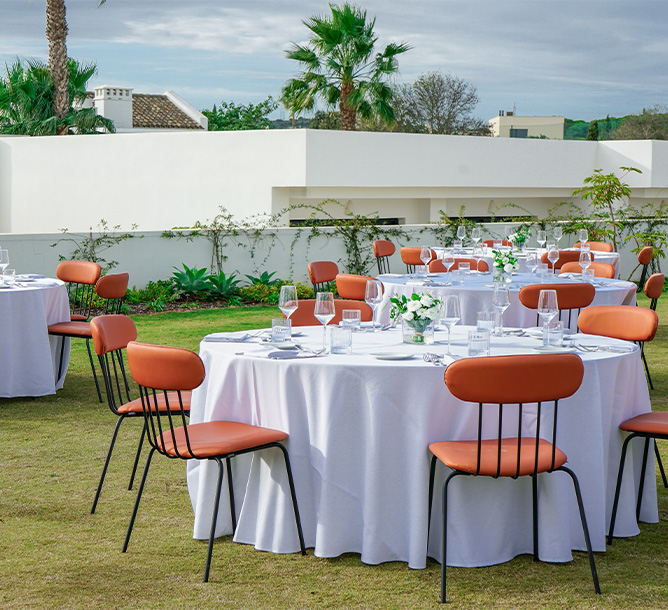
(4, 261)
(476, 235)
(324, 312)
(461, 233)
(448, 259)
(287, 301)
(532, 262)
(558, 234)
(584, 236)
(553, 256)
(541, 238)
(373, 295)
(501, 302)
(547, 309)
(451, 313)
(585, 259)
(425, 256)
(477, 255)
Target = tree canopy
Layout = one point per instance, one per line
(650, 124)
(232, 117)
(340, 67)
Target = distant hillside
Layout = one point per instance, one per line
(300, 123)
(577, 130)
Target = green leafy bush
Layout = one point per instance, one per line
(264, 279)
(222, 286)
(191, 282)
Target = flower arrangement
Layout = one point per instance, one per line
(417, 310)
(520, 236)
(505, 261)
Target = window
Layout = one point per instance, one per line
(519, 133)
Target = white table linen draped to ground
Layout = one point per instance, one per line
(359, 434)
(476, 293)
(28, 356)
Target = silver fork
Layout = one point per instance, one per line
(308, 350)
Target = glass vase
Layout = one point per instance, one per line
(419, 332)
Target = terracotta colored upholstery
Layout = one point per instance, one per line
(164, 368)
(320, 272)
(78, 272)
(411, 256)
(655, 424)
(113, 286)
(569, 296)
(645, 255)
(605, 270)
(626, 322)
(437, 266)
(71, 329)
(654, 285)
(351, 286)
(112, 332)
(303, 315)
(565, 256)
(383, 247)
(490, 242)
(601, 246)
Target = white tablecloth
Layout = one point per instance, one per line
(476, 291)
(359, 434)
(28, 356)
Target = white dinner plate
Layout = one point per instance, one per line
(3, 286)
(554, 349)
(392, 355)
(284, 345)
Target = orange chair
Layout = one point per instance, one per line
(321, 273)
(437, 266)
(601, 246)
(570, 297)
(351, 286)
(512, 383)
(411, 257)
(565, 256)
(303, 315)
(80, 277)
(644, 259)
(605, 270)
(112, 288)
(382, 250)
(111, 335)
(654, 288)
(490, 242)
(169, 372)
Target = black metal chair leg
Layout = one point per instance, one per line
(432, 476)
(660, 463)
(137, 455)
(106, 463)
(534, 495)
(92, 366)
(643, 470)
(295, 507)
(618, 487)
(60, 362)
(214, 518)
(139, 493)
(585, 529)
(230, 486)
(644, 360)
(444, 541)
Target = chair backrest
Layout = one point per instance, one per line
(382, 250)
(601, 246)
(654, 288)
(81, 277)
(164, 373)
(525, 383)
(605, 270)
(570, 297)
(627, 322)
(111, 335)
(490, 242)
(437, 266)
(565, 256)
(113, 288)
(322, 273)
(303, 316)
(411, 257)
(351, 286)
(644, 259)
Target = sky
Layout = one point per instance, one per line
(582, 59)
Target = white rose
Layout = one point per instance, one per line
(408, 316)
(427, 300)
(413, 305)
(434, 313)
(508, 267)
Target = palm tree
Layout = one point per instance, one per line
(340, 67)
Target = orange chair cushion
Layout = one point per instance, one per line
(645, 255)
(304, 314)
(565, 256)
(164, 368)
(599, 269)
(77, 317)
(383, 247)
(322, 271)
(79, 272)
(569, 296)
(647, 423)
(627, 322)
(134, 406)
(654, 285)
(113, 286)
(218, 438)
(112, 332)
(71, 329)
(411, 256)
(351, 286)
(463, 456)
(437, 266)
(601, 246)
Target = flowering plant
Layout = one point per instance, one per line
(505, 261)
(418, 310)
(521, 236)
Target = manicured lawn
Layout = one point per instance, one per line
(54, 554)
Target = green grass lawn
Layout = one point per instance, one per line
(54, 554)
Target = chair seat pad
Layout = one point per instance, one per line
(215, 438)
(647, 423)
(71, 329)
(463, 456)
(77, 317)
(134, 406)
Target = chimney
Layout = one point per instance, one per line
(114, 103)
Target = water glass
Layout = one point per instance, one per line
(478, 343)
(341, 340)
(10, 277)
(588, 275)
(486, 321)
(496, 244)
(458, 244)
(555, 333)
(280, 330)
(351, 318)
(541, 272)
(464, 268)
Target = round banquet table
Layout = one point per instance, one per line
(476, 292)
(359, 433)
(29, 358)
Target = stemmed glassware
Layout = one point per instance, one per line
(287, 301)
(448, 259)
(547, 309)
(541, 238)
(585, 259)
(477, 255)
(4, 261)
(425, 257)
(461, 233)
(532, 262)
(451, 313)
(324, 312)
(373, 295)
(584, 236)
(476, 235)
(552, 255)
(558, 234)
(501, 302)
